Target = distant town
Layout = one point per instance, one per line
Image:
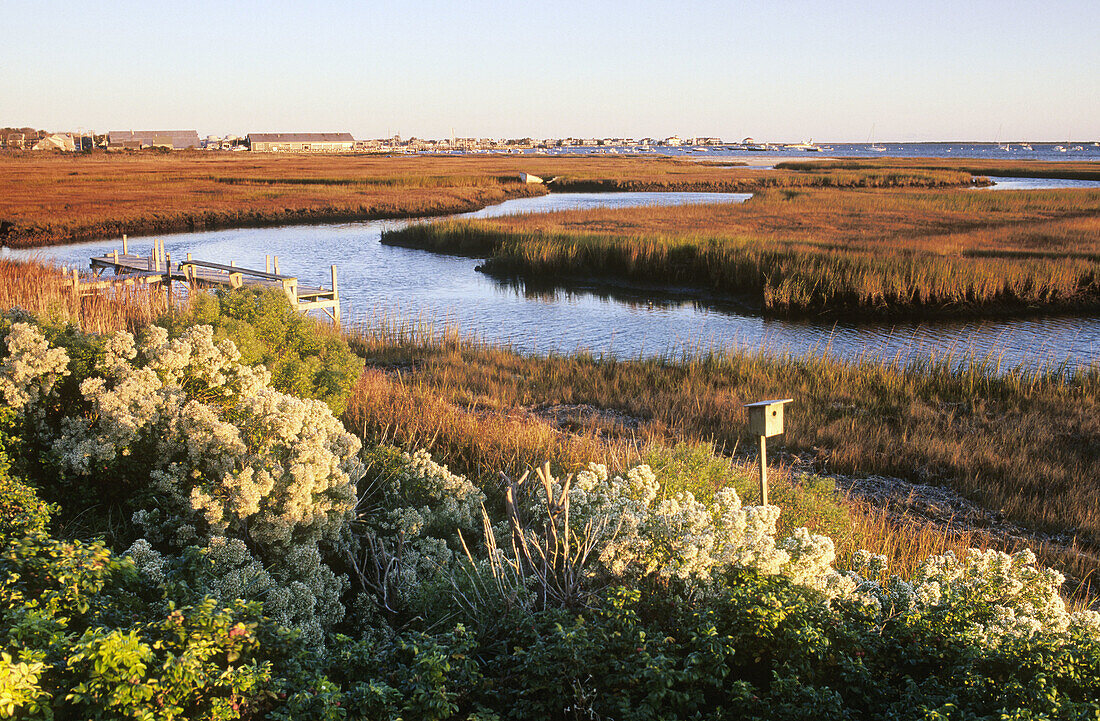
(340, 142)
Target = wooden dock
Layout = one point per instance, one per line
(158, 268)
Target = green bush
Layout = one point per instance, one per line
(85, 637)
(305, 358)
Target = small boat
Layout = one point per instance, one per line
(1077, 147)
(871, 140)
(1059, 149)
(1025, 146)
(809, 147)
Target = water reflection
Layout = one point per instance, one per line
(602, 318)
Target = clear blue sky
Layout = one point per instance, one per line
(775, 70)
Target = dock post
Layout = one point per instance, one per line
(188, 257)
(114, 259)
(335, 298)
(124, 250)
(168, 275)
(276, 258)
(267, 263)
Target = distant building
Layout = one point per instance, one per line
(57, 141)
(138, 139)
(673, 141)
(301, 142)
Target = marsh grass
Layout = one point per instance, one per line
(42, 290)
(1001, 436)
(834, 251)
(1022, 441)
(53, 199)
(1072, 170)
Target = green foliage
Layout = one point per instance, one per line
(83, 637)
(88, 634)
(22, 512)
(697, 469)
(305, 358)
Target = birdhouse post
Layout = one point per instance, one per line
(766, 419)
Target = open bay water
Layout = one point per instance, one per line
(379, 281)
(1079, 150)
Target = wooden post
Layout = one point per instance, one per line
(290, 287)
(124, 250)
(168, 275)
(267, 263)
(336, 298)
(233, 263)
(114, 258)
(763, 471)
(188, 257)
(276, 259)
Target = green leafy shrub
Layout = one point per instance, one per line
(83, 636)
(305, 358)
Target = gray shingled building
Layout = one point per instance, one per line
(138, 139)
(301, 142)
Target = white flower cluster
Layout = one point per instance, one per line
(680, 537)
(421, 506)
(1022, 599)
(232, 464)
(31, 368)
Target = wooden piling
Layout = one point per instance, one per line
(335, 297)
(124, 250)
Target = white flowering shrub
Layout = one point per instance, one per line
(1002, 596)
(206, 454)
(409, 522)
(682, 538)
(635, 535)
(30, 368)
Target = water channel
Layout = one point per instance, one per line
(399, 283)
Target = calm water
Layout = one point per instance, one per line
(626, 322)
(1044, 150)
